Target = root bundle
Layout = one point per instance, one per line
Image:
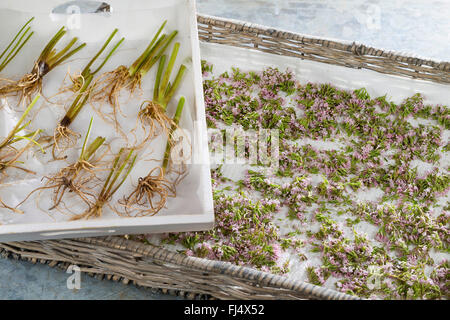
(74, 178)
(154, 120)
(50, 58)
(151, 194)
(63, 139)
(122, 167)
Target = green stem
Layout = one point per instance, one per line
(111, 172)
(109, 55)
(31, 138)
(20, 152)
(154, 56)
(15, 38)
(19, 44)
(55, 56)
(117, 175)
(87, 69)
(67, 56)
(51, 44)
(176, 121)
(16, 50)
(86, 154)
(51, 58)
(143, 57)
(19, 126)
(86, 138)
(108, 189)
(164, 90)
(172, 88)
(162, 62)
(158, 44)
(76, 106)
(93, 147)
(166, 78)
(127, 173)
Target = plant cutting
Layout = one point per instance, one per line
(152, 114)
(63, 137)
(175, 126)
(153, 117)
(75, 177)
(122, 166)
(110, 84)
(50, 58)
(152, 191)
(78, 80)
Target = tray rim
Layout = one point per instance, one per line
(192, 221)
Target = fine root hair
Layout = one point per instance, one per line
(150, 195)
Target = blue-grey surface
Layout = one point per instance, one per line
(419, 27)
(22, 280)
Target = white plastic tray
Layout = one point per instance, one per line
(137, 21)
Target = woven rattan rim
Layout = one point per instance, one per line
(352, 55)
(156, 267)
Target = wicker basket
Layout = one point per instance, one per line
(127, 261)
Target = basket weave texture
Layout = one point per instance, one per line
(123, 260)
(352, 55)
